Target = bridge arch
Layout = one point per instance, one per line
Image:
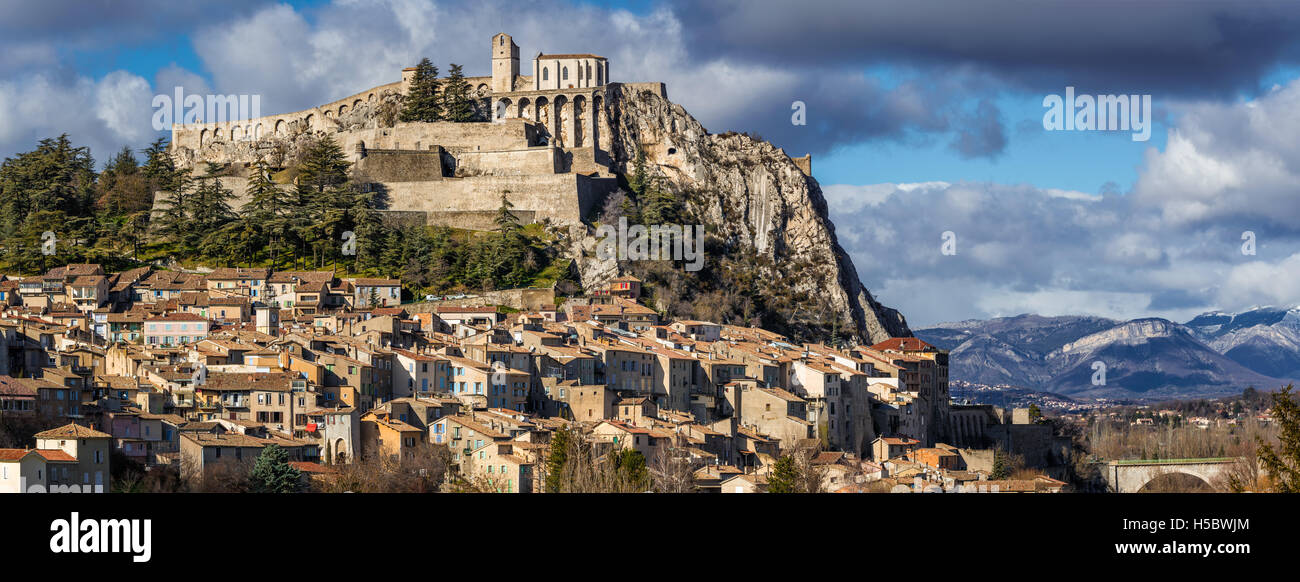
(1133, 475)
(1176, 482)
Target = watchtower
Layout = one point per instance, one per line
(505, 63)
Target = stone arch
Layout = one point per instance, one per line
(560, 112)
(543, 106)
(340, 451)
(236, 133)
(501, 110)
(279, 127)
(355, 104)
(203, 137)
(580, 117)
(483, 90)
(523, 108)
(597, 118)
(343, 110)
(1176, 482)
(370, 98)
(257, 132)
(216, 134)
(329, 114)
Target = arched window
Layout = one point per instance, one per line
(564, 74)
(503, 41)
(588, 70)
(546, 74)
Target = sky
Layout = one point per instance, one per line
(923, 118)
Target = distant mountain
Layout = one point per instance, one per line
(1145, 358)
(1264, 339)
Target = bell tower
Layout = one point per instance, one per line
(505, 63)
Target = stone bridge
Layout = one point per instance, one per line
(1131, 476)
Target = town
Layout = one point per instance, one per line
(183, 379)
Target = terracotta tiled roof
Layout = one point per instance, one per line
(903, 344)
(73, 430)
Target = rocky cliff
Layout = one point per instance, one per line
(767, 220)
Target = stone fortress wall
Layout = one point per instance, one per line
(544, 147)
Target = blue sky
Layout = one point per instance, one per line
(922, 118)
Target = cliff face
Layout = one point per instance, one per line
(755, 201)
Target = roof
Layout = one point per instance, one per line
(73, 430)
(570, 56)
(55, 455)
(903, 344)
(310, 467)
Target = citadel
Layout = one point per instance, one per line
(546, 144)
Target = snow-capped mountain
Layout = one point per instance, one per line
(1142, 358)
(1264, 339)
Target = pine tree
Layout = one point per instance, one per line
(1001, 465)
(506, 221)
(637, 181)
(273, 474)
(324, 166)
(631, 467)
(56, 176)
(556, 459)
(457, 97)
(1283, 463)
(784, 477)
(422, 102)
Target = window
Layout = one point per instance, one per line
(564, 74)
(546, 74)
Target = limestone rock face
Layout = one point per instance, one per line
(751, 194)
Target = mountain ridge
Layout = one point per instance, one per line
(1212, 354)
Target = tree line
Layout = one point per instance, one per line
(109, 217)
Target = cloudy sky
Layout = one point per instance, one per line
(923, 118)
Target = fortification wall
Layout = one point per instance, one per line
(563, 198)
(455, 137)
(474, 219)
(659, 89)
(537, 160)
(194, 135)
(389, 166)
(403, 218)
(524, 299)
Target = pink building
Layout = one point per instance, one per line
(175, 329)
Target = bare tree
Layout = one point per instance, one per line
(672, 471)
(811, 477)
(425, 471)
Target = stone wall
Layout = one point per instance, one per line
(523, 299)
(401, 165)
(510, 134)
(563, 198)
(473, 219)
(521, 162)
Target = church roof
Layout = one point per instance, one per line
(569, 56)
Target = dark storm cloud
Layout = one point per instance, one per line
(1186, 47)
(88, 23)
